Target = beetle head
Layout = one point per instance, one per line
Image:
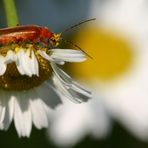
(55, 39)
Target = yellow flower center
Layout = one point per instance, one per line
(13, 80)
(112, 55)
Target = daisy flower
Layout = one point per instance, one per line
(118, 75)
(28, 60)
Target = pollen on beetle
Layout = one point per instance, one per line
(19, 73)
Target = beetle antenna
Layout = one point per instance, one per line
(78, 24)
(69, 42)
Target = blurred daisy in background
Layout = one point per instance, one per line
(117, 75)
(126, 98)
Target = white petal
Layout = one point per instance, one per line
(34, 67)
(63, 90)
(49, 96)
(50, 59)
(2, 106)
(68, 55)
(27, 65)
(73, 121)
(69, 125)
(2, 65)
(38, 112)
(22, 64)
(10, 57)
(22, 116)
(9, 97)
(68, 87)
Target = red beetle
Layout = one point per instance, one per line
(28, 33)
(34, 34)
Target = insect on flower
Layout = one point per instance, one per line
(28, 59)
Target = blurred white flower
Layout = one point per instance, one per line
(118, 77)
(72, 122)
(126, 98)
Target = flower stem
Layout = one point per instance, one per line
(11, 13)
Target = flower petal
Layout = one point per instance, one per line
(50, 98)
(27, 64)
(68, 87)
(10, 57)
(38, 112)
(9, 97)
(67, 55)
(2, 65)
(47, 57)
(91, 117)
(22, 116)
(2, 106)
(22, 63)
(34, 67)
(63, 90)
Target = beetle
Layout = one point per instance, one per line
(34, 34)
(25, 33)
